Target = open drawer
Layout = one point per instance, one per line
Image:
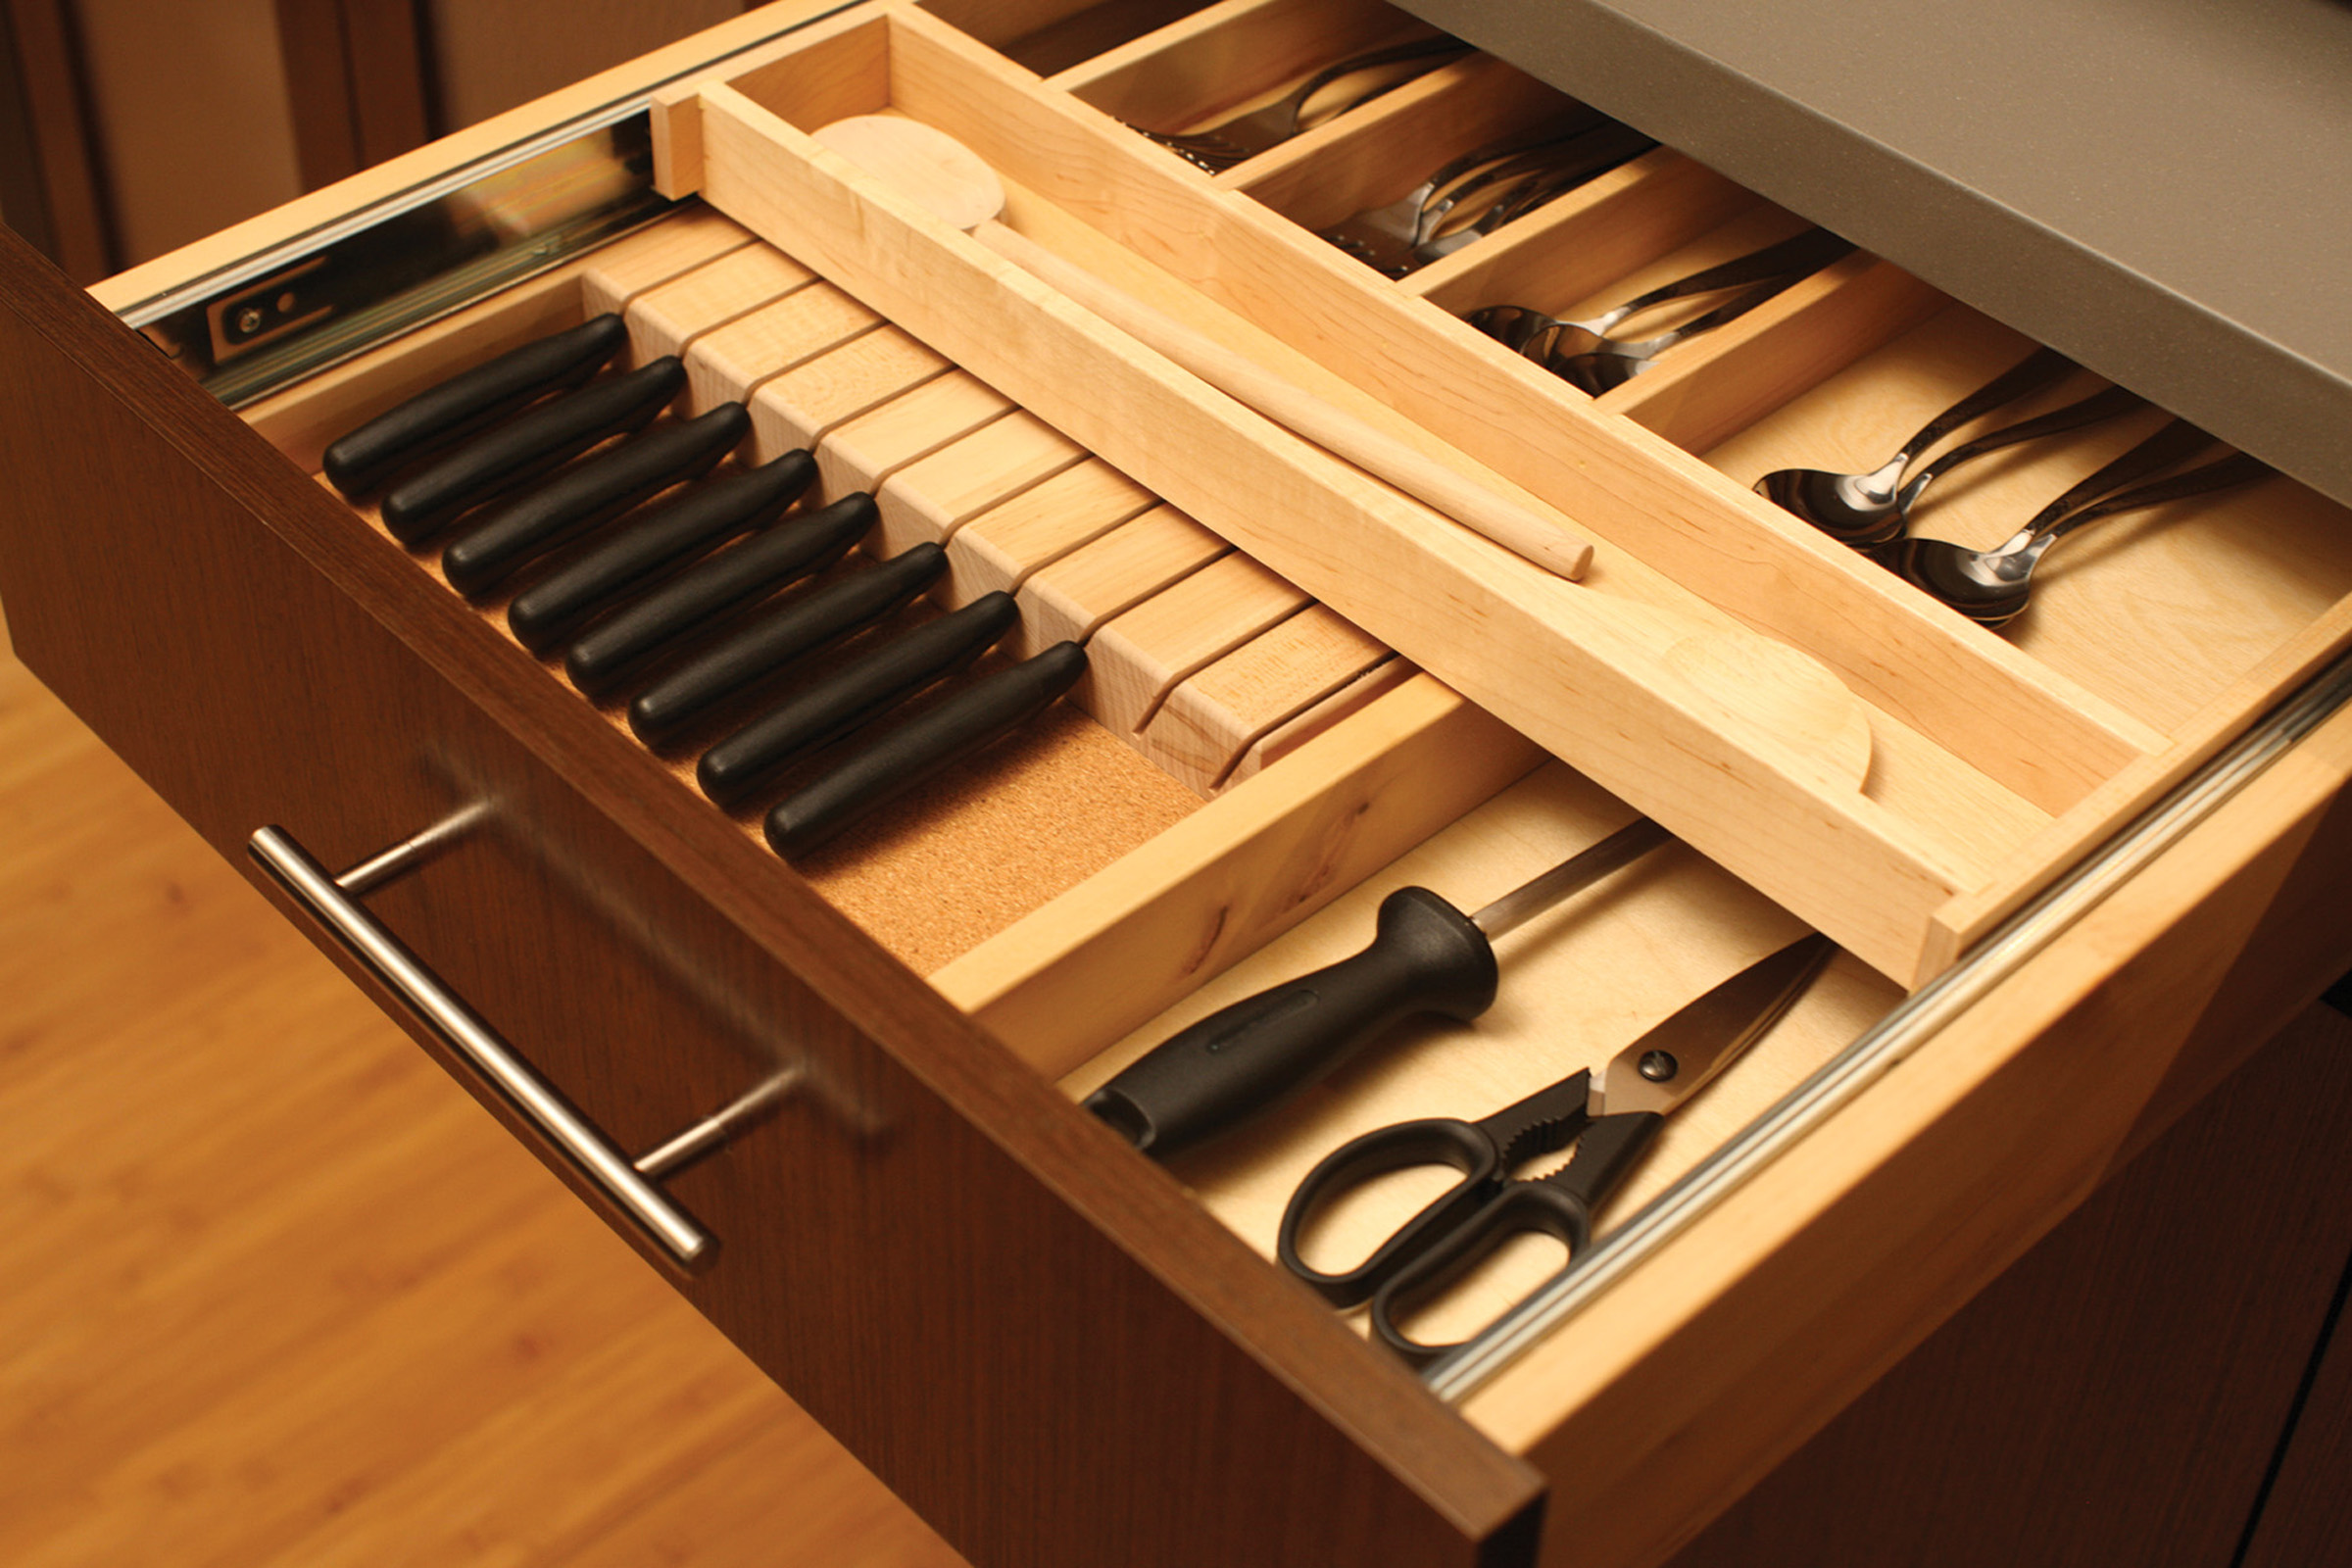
(2074, 884)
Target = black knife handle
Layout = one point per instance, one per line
(542, 614)
(1425, 957)
(617, 646)
(527, 446)
(589, 494)
(469, 401)
(776, 636)
(853, 697)
(924, 745)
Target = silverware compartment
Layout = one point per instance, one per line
(2161, 612)
(1226, 58)
(1049, 36)
(1461, 109)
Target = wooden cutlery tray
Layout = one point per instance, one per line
(1305, 691)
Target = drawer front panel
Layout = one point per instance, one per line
(1009, 1360)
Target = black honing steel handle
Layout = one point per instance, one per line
(590, 494)
(470, 400)
(776, 635)
(528, 445)
(626, 640)
(853, 697)
(1425, 957)
(695, 523)
(926, 743)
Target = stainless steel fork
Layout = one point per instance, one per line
(1478, 193)
(1219, 147)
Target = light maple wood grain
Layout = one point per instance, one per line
(998, 550)
(934, 496)
(1167, 637)
(667, 318)
(727, 363)
(868, 449)
(1734, 728)
(1225, 59)
(279, 1293)
(801, 404)
(1208, 722)
(1683, 537)
(681, 242)
(1070, 598)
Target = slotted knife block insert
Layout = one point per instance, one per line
(1990, 768)
(1204, 664)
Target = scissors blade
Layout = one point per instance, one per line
(1679, 1058)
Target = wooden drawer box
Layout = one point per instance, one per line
(2069, 894)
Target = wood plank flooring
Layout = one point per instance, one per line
(274, 1292)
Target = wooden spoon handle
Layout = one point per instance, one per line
(1517, 528)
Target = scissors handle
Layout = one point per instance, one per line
(1559, 1206)
(1437, 1141)
(1484, 1151)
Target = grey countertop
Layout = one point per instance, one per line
(2161, 189)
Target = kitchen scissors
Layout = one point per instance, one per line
(1611, 1127)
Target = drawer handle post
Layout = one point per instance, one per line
(335, 902)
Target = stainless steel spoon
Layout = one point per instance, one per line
(1219, 147)
(2110, 403)
(1858, 509)
(1992, 587)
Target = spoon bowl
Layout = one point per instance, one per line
(1854, 509)
(1992, 587)
(1863, 510)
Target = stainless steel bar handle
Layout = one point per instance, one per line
(336, 905)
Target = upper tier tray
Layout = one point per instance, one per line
(2156, 189)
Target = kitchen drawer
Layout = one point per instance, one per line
(2076, 883)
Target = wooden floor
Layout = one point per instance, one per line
(274, 1292)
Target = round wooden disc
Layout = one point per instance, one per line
(925, 166)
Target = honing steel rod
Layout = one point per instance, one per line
(1426, 957)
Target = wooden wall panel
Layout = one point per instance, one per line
(192, 105)
(490, 55)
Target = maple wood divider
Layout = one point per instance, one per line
(1649, 690)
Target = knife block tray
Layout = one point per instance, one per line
(1989, 769)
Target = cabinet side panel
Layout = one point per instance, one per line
(2099, 1403)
